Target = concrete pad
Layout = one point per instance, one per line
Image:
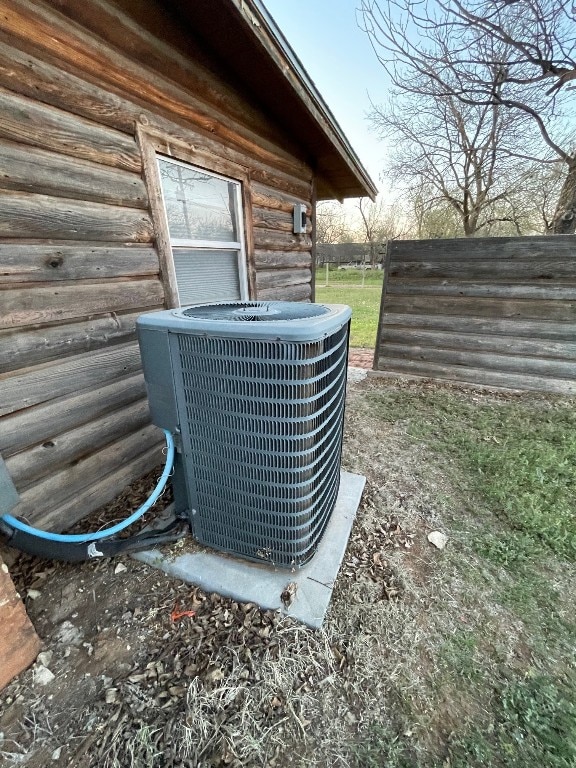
(261, 584)
(356, 375)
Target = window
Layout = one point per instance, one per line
(204, 214)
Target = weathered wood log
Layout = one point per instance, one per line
(290, 184)
(156, 42)
(537, 289)
(483, 325)
(513, 363)
(19, 643)
(301, 292)
(71, 105)
(536, 248)
(22, 349)
(493, 308)
(279, 278)
(40, 29)
(187, 145)
(505, 345)
(277, 200)
(49, 494)
(39, 80)
(51, 381)
(53, 455)
(36, 263)
(525, 381)
(266, 240)
(24, 215)
(32, 76)
(489, 269)
(101, 491)
(27, 169)
(44, 422)
(28, 122)
(47, 304)
(282, 260)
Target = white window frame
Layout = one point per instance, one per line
(239, 245)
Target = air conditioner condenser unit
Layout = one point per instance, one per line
(254, 394)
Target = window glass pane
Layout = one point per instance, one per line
(199, 206)
(206, 275)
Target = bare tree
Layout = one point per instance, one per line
(518, 55)
(380, 222)
(462, 154)
(332, 225)
(432, 216)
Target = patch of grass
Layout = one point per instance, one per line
(532, 597)
(505, 681)
(354, 276)
(460, 655)
(380, 745)
(522, 456)
(534, 724)
(514, 549)
(345, 287)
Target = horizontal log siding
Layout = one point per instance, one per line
(490, 311)
(78, 261)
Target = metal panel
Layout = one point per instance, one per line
(206, 275)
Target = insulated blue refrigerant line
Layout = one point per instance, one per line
(86, 537)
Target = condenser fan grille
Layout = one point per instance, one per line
(256, 311)
(261, 425)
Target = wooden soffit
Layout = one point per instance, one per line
(258, 61)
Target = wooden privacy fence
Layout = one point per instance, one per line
(493, 311)
(343, 253)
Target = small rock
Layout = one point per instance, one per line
(438, 539)
(111, 695)
(56, 754)
(43, 676)
(68, 634)
(120, 568)
(45, 658)
(33, 594)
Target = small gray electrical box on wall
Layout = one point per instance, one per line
(299, 219)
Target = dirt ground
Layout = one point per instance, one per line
(129, 684)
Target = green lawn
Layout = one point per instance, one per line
(510, 562)
(345, 287)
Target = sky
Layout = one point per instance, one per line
(339, 59)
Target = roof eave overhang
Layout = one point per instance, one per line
(339, 171)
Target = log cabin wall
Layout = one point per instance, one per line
(492, 311)
(85, 91)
